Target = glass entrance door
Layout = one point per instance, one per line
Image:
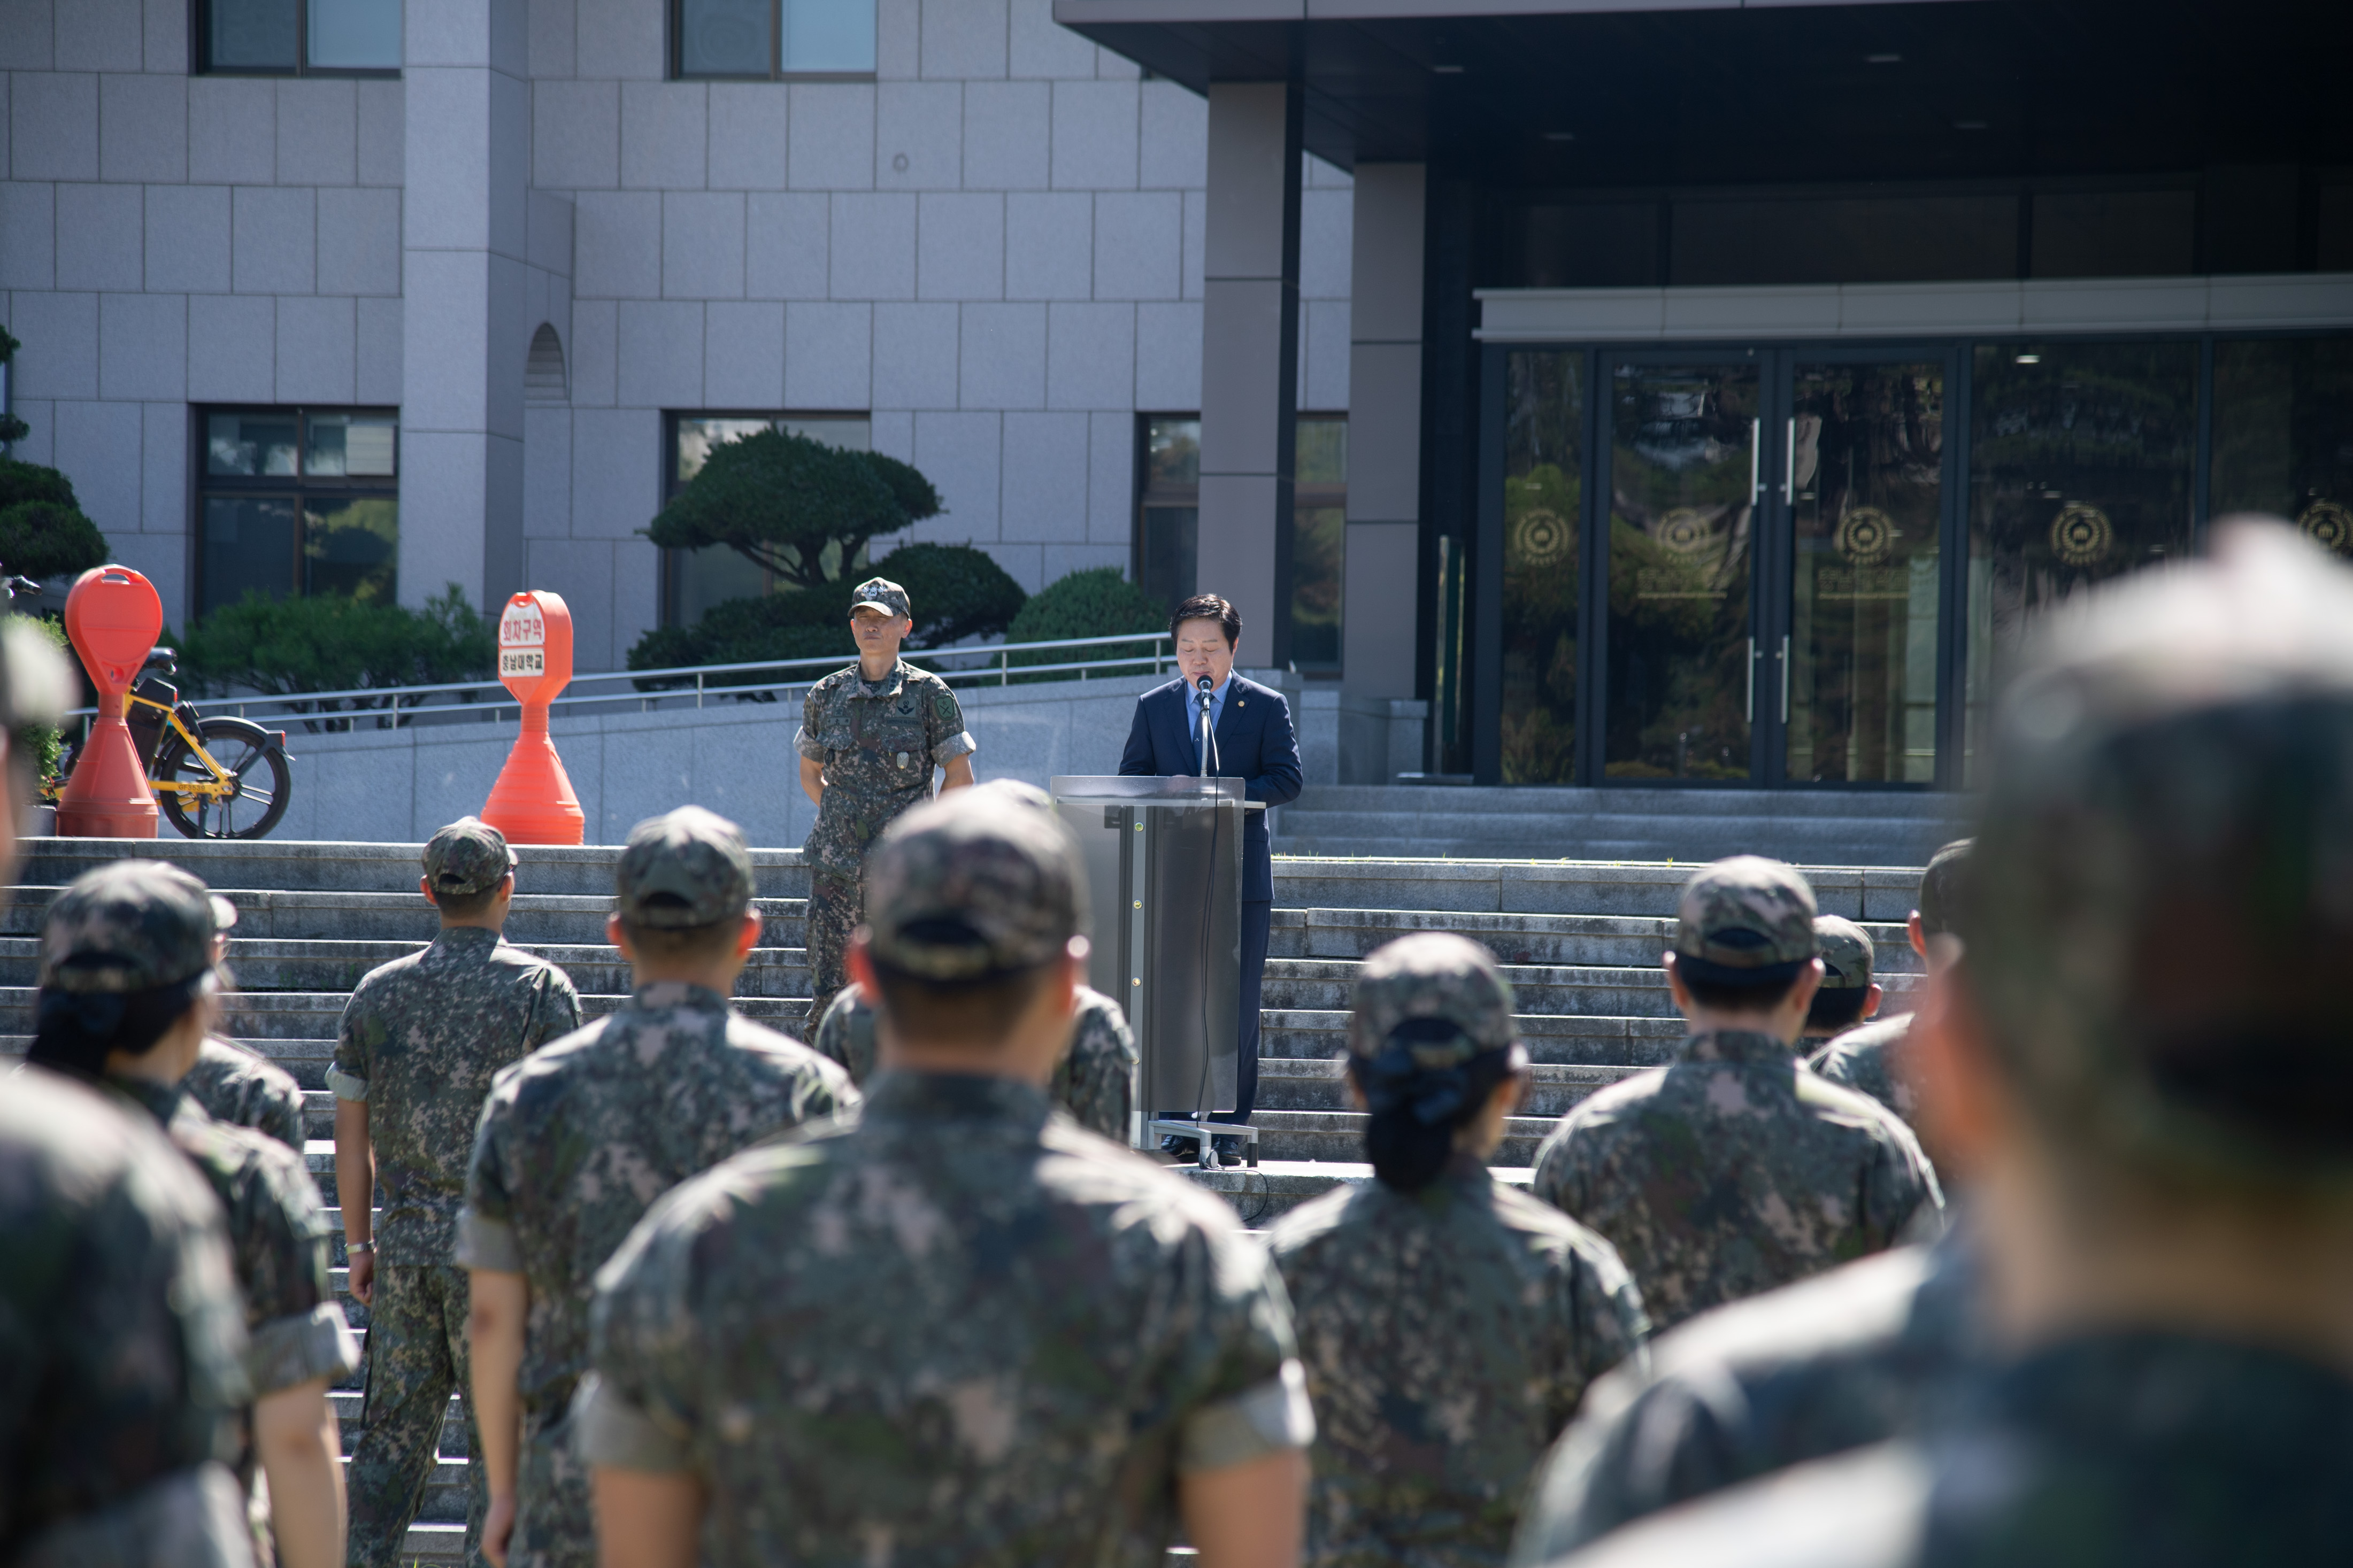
(1685, 450)
(1855, 662)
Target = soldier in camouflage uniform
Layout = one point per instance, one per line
(121, 1342)
(1847, 994)
(870, 737)
(576, 1140)
(2160, 1206)
(964, 1330)
(1732, 1170)
(241, 1089)
(1871, 1059)
(1448, 1324)
(127, 978)
(420, 1041)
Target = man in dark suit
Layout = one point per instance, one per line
(1253, 739)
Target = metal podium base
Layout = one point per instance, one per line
(1205, 1130)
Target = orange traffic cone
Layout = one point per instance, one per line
(113, 618)
(532, 802)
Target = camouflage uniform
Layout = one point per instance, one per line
(1449, 1335)
(877, 744)
(577, 1140)
(420, 1041)
(1093, 1081)
(1870, 1059)
(241, 1089)
(121, 1342)
(140, 925)
(964, 1331)
(2155, 919)
(1732, 1170)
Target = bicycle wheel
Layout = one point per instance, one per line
(256, 765)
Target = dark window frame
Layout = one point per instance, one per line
(1145, 496)
(674, 51)
(299, 486)
(1319, 497)
(200, 59)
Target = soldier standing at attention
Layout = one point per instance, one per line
(238, 1088)
(1732, 1170)
(963, 1332)
(127, 982)
(576, 1141)
(1847, 994)
(1449, 1325)
(421, 1039)
(1095, 1078)
(2144, 1040)
(870, 737)
(1872, 1059)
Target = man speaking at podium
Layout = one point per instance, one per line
(1251, 738)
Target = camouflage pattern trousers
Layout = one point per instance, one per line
(415, 1358)
(837, 903)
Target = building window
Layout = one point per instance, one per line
(767, 40)
(1319, 541)
(2284, 433)
(297, 37)
(1168, 512)
(297, 500)
(695, 580)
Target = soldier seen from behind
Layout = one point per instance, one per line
(129, 956)
(1873, 1057)
(1732, 1170)
(122, 1332)
(421, 1039)
(1848, 995)
(1449, 1324)
(1095, 1078)
(964, 1330)
(2144, 1043)
(870, 736)
(242, 1090)
(577, 1140)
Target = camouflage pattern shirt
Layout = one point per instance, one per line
(964, 1332)
(879, 743)
(578, 1138)
(1836, 1362)
(121, 1340)
(1448, 1336)
(242, 1090)
(2114, 1449)
(294, 1326)
(420, 1041)
(1868, 1059)
(1734, 1170)
(1093, 1081)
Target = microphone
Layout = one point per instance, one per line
(1205, 686)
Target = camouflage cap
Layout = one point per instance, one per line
(467, 857)
(1940, 888)
(1746, 920)
(1437, 976)
(687, 867)
(131, 926)
(882, 592)
(2157, 907)
(973, 886)
(1847, 952)
(1021, 794)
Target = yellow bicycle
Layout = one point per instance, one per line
(215, 778)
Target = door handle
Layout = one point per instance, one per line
(1785, 679)
(1790, 466)
(1752, 680)
(1755, 444)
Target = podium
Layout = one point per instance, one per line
(1164, 862)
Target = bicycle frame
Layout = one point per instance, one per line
(220, 787)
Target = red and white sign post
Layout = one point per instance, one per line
(532, 802)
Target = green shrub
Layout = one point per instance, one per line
(41, 539)
(30, 481)
(1097, 602)
(40, 746)
(325, 643)
(797, 506)
(956, 592)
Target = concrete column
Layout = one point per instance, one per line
(1250, 358)
(1384, 431)
(463, 335)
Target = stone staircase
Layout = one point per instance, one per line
(1580, 940)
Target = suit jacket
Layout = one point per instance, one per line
(1255, 742)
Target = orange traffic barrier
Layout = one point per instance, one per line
(532, 802)
(113, 618)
